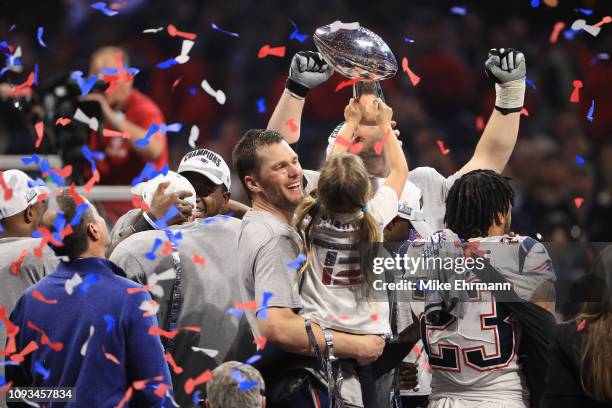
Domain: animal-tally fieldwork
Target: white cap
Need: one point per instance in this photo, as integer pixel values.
(24, 193)
(177, 183)
(411, 208)
(209, 164)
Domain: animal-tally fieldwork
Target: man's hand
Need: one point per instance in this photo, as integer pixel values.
(371, 347)
(352, 113)
(308, 69)
(383, 113)
(162, 202)
(408, 376)
(508, 69)
(109, 114)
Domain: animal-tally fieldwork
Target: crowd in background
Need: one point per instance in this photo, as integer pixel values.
(560, 155)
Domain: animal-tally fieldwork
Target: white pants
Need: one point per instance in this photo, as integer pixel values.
(473, 403)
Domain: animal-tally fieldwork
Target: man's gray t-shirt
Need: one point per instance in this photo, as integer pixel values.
(208, 291)
(123, 224)
(265, 248)
(31, 270)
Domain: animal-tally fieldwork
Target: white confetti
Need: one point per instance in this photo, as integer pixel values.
(209, 352)
(218, 95)
(152, 30)
(581, 24)
(338, 25)
(193, 136)
(84, 347)
(73, 283)
(82, 117)
(185, 49)
(150, 307)
(152, 280)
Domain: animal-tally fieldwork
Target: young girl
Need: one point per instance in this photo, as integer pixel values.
(340, 229)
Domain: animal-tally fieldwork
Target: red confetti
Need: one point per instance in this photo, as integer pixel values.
(161, 390)
(16, 266)
(66, 231)
(353, 147)
(416, 350)
(45, 239)
(156, 331)
(75, 196)
(39, 296)
(39, 134)
(44, 340)
(344, 84)
(414, 78)
(443, 149)
(249, 305)
(65, 172)
(199, 260)
(141, 384)
(274, 51)
(170, 360)
(115, 133)
(603, 21)
(11, 332)
(8, 192)
(24, 88)
(374, 316)
(126, 397)
(145, 288)
(378, 146)
(6, 387)
(172, 30)
(557, 28)
(63, 121)
(167, 248)
(261, 342)
(524, 112)
(112, 358)
(42, 197)
(191, 383)
(578, 201)
(293, 127)
(581, 326)
(176, 82)
(480, 125)
(19, 357)
(575, 97)
(93, 180)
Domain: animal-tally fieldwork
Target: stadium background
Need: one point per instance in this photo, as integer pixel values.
(560, 155)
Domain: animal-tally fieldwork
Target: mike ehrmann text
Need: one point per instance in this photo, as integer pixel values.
(432, 285)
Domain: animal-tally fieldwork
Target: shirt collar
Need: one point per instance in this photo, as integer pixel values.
(82, 266)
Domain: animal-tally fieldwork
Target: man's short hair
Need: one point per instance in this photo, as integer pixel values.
(77, 242)
(224, 389)
(244, 156)
(112, 49)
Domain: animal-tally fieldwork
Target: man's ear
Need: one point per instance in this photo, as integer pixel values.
(29, 214)
(226, 197)
(93, 232)
(252, 184)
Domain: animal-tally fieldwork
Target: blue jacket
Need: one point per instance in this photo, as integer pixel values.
(120, 333)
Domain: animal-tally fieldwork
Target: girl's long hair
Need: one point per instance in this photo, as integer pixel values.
(596, 346)
(343, 187)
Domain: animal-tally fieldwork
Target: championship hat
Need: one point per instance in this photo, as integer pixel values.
(209, 164)
(20, 191)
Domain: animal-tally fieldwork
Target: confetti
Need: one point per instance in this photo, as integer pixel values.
(339, 25)
(480, 125)
(174, 32)
(569, 34)
(149, 172)
(167, 63)
(156, 331)
(295, 35)
(591, 111)
(575, 97)
(63, 121)
(27, 160)
(353, 147)
(145, 140)
(581, 24)
(579, 160)
(261, 342)
(253, 359)
(39, 35)
(408, 40)
(249, 305)
(292, 125)
(535, 3)
(602, 56)
(374, 316)
(443, 149)
(218, 95)
(8, 192)
(35, 74)
(247, 385)
(44, 340)
(462, 11)
(378, 146)
(345, 84)
(110, 323)
(530, 83)
(557, 28)
(578, 201)
(176, 82)
(39, 296)
(84, 346)
(19, 357)
(101, 6)
(72, 283)
(83, 118)
(605, 20)
(199, 260)
(89, 280)
(261, 105)
(151, 254)
(414, 78)
(153, 30)
(191, 383)
(235, 312)
(170, 360)
(86, 85)
(25, 86)
(78, 200)
(581, 326)
(266, 50)
(584, 11)
(163, 221)
(149, 307)
(185, 49)
(115, 133)
(216, 27)
(263, 312)
(209, 352)
(93, 180)
(16, 266)
(297, 262)
(524, 112)
(112, 358)
(166, 249)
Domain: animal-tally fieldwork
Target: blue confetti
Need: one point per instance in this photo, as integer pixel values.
(535, 3)
(586, 12)
(237, 375)
(27, 160)
(151, 254)
(224, 217)
(295, 35)
(85, 85)
(591, 111)
(408, 40)
(600, 57)
(261, 105)
(579, 160)
(46, 168)
(147, 137)
(36, 74)
(42, 370)
(167, 63)
(192, 90)
(163, 221)
(80, 210)
(173, 238)
(297, 263)
(196, 399)
(41, 31)
(216, 27)
(530, 83)
(247, 385)
(91, 157)
(262, 314)
(110, 322)
(149, 172)
(2, 381)
(569, 34)
(1, 229)
(12, 27)
(253, 359)
(101, 6)
(114, 71)
(235, 312)
(458, 10)
(89, 280)
(58, 224)
(173, 127)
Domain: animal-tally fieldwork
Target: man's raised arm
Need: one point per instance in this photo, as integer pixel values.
(508, 69)
(308, 69)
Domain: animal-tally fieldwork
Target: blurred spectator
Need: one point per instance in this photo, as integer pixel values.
(235, 384)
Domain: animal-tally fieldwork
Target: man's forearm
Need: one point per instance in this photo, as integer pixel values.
(286, 116)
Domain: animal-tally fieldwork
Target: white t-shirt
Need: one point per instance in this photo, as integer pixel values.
(332, 291)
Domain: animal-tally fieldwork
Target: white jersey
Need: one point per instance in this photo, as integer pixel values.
(332, 289)
(475, 357)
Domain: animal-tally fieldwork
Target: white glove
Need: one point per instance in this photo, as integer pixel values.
(308, 69)
(508, 69)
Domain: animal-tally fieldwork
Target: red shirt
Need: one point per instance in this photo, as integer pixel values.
(122, 163)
